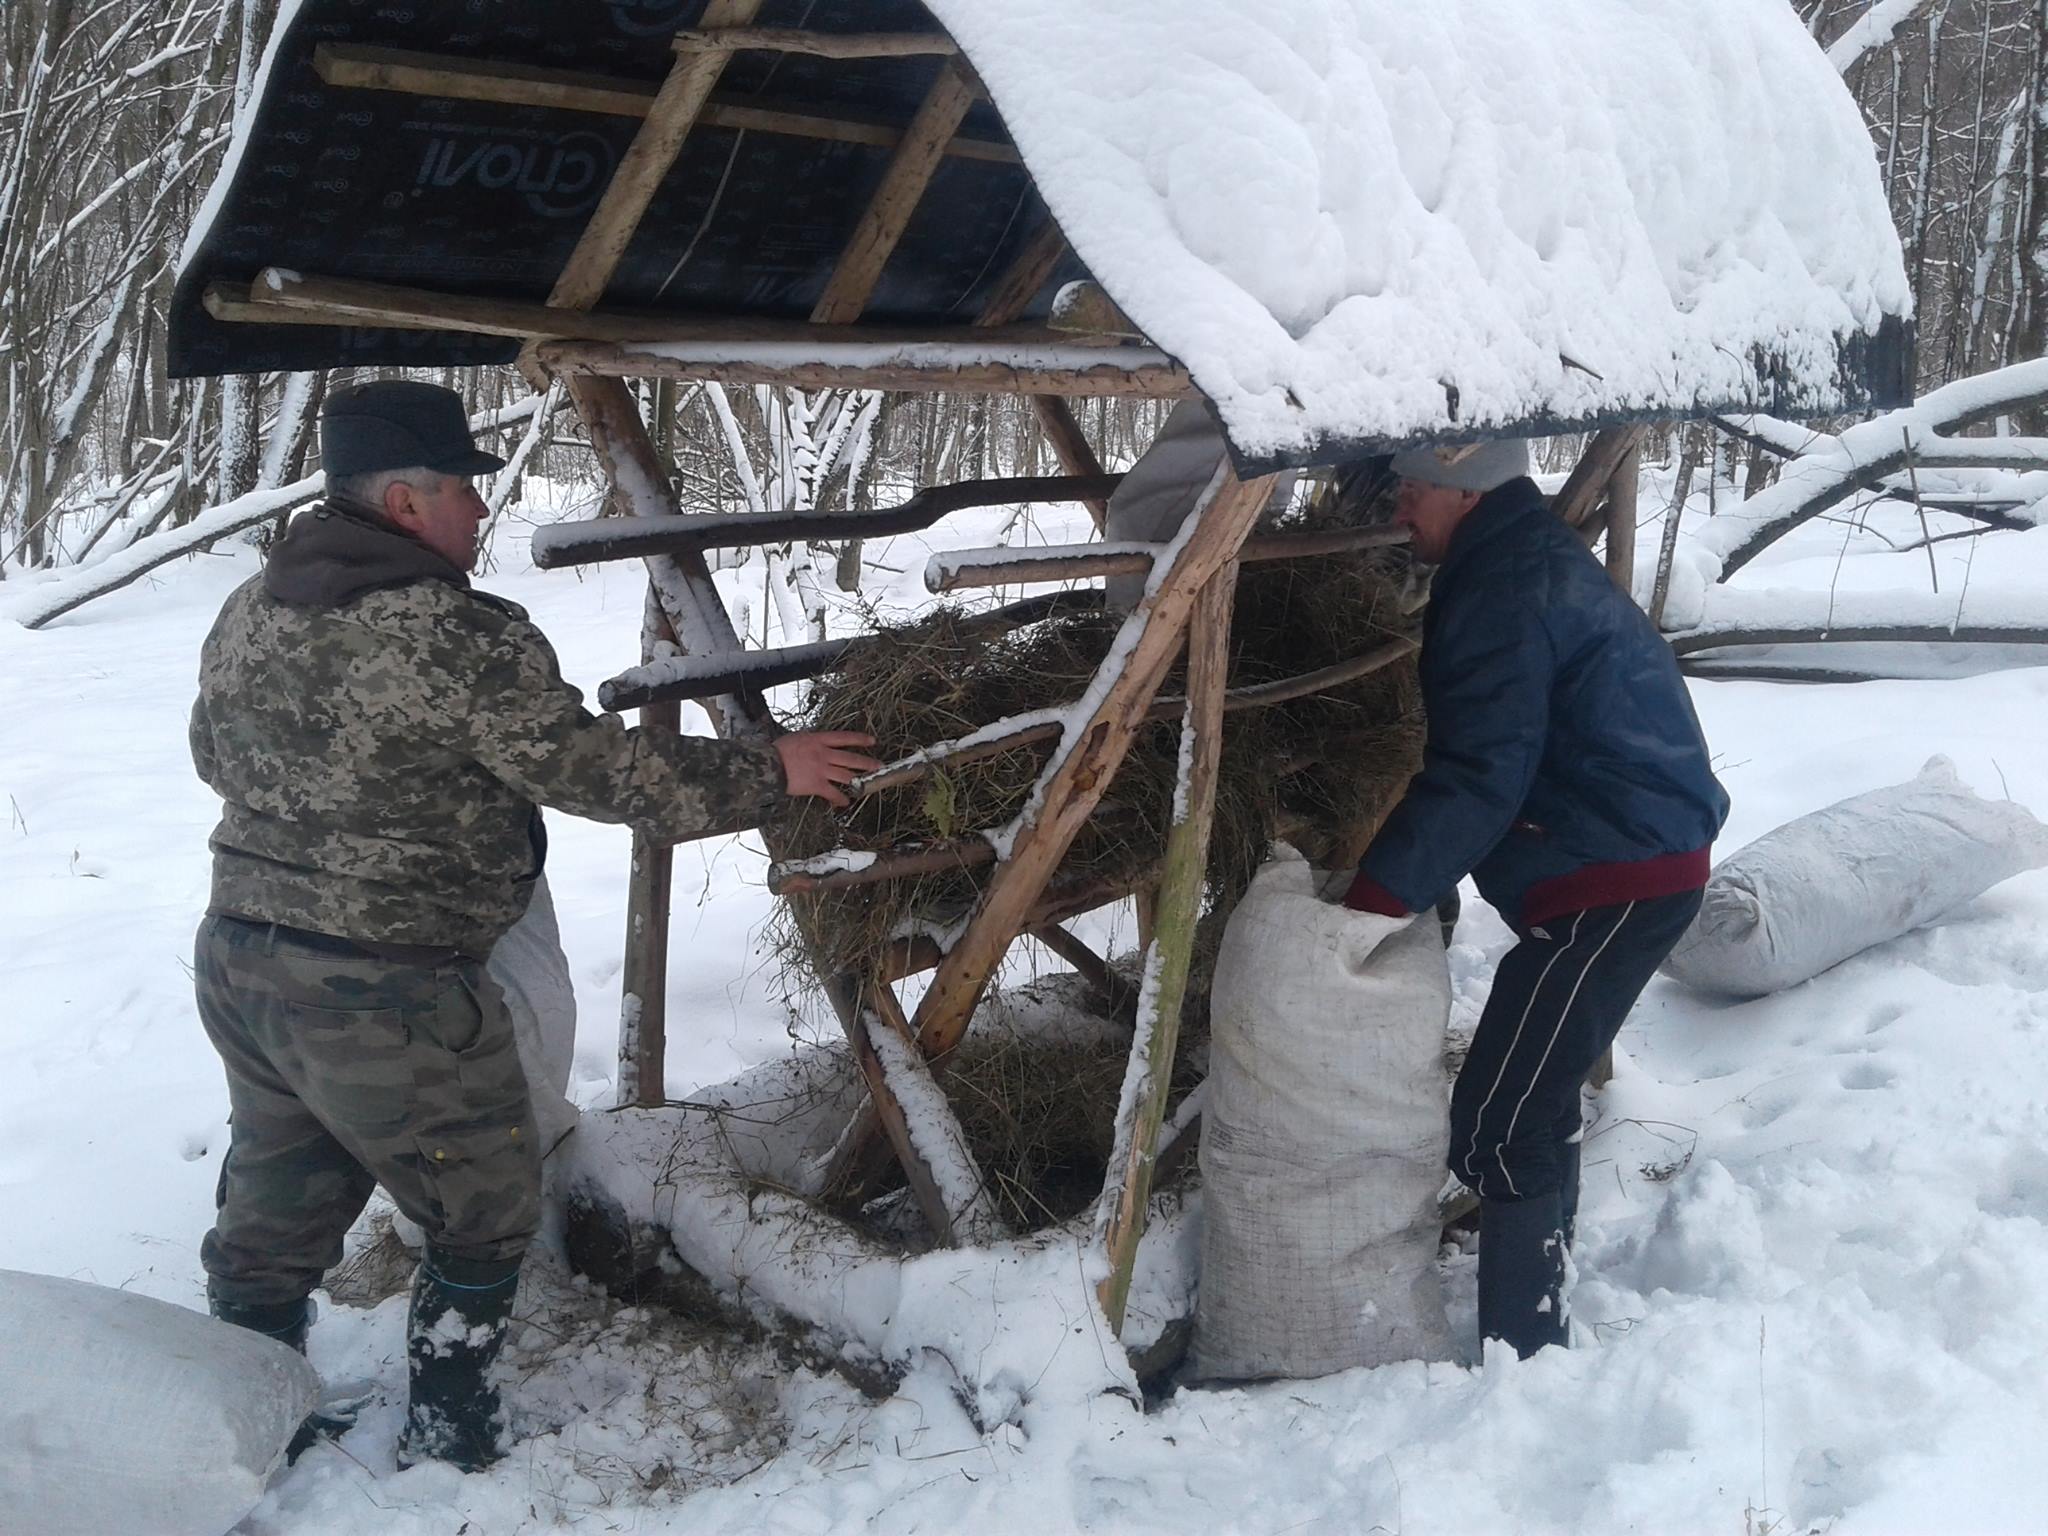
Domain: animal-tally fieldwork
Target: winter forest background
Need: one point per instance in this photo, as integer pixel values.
(115, 117)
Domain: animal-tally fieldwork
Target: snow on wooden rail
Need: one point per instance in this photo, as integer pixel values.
(704, 677)
(591, 540)
(1001, 565)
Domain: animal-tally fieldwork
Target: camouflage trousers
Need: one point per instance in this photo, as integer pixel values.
(348, 1069)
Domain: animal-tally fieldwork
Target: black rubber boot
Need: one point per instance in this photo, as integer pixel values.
(1568, 1191)
(454, 1331)
(285, 1321)
(1521, 1272)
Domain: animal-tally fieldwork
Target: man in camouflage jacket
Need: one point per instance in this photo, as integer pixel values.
(382, 735)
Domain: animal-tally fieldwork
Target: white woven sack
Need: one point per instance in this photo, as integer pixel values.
(1862, 871)
(1323, 1139)
(530, 969)
(123, 1415)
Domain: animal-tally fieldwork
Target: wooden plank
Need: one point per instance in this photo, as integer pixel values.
(803, 877)
(1062, 429)
(955, 368)
(645, 163)
(595, 540)
(820, 45)
(1027, 274)
(888, 212)
(1121, 1215)
(1075, 562)
(451, 78)
(1088, 757)
(280, 297)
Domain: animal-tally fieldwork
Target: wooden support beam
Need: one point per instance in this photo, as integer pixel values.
(599, 539)
(1090, 754)
(1032, 269)
(946, 367)
(1117, 994)
(999, 567)
(1623, 493)
(1070, 445)
(819, 45)
(646, 163)
(888, 212)
(450, 78)
(650, 885)
(1581, 494)
(281, 297)
(1121, 1215)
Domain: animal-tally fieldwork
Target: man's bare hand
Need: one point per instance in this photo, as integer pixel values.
(819, 762)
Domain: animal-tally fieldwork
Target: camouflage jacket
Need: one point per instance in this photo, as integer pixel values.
(381, 733)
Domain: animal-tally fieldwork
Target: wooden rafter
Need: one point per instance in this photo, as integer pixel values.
(451, 78)
(888, 212)
(1129, 1185)
(951, 367)
(1088, 756)
(645, 163)
(1027, 274)
(821, 45)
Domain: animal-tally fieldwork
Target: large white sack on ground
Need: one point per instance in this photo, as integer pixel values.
(1862, 871)
(532, 971)
(1323, 1139)
(124, 1415)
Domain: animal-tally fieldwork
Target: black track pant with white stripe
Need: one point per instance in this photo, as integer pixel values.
(1557, 1003)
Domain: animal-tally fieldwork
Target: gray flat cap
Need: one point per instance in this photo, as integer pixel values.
(1466, 466)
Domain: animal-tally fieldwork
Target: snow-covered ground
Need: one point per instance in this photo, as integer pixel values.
(1815, 1234)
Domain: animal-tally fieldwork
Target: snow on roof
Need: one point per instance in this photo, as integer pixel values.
(1337, 213)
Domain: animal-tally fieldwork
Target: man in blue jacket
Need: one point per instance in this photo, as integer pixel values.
(1565, 771)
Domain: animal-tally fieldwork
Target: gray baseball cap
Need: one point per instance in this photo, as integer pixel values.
(399, 424)
(1466, 466)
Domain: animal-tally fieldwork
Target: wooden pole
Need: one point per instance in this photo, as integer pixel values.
(451, 78)
(820, 45)
(643, 1008)
(1595, 469)
(1623, 492)
(645, 163)
(1000, 567)
(1070, 445)
(888, 213)
(1090, 754)
(1121, 1215)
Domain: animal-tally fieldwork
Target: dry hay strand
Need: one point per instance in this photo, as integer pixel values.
(1318, 771)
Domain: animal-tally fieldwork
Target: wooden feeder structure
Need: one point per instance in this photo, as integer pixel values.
(829, 194)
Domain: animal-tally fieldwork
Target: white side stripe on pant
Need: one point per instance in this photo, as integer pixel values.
(1534, 992)
(1562, 1014)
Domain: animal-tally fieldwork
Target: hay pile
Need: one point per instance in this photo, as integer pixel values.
(1318, 772)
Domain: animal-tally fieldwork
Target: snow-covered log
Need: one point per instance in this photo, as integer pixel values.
(1737, 616)
(1837, 468)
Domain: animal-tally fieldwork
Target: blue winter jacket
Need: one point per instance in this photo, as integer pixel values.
(1565, 768)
